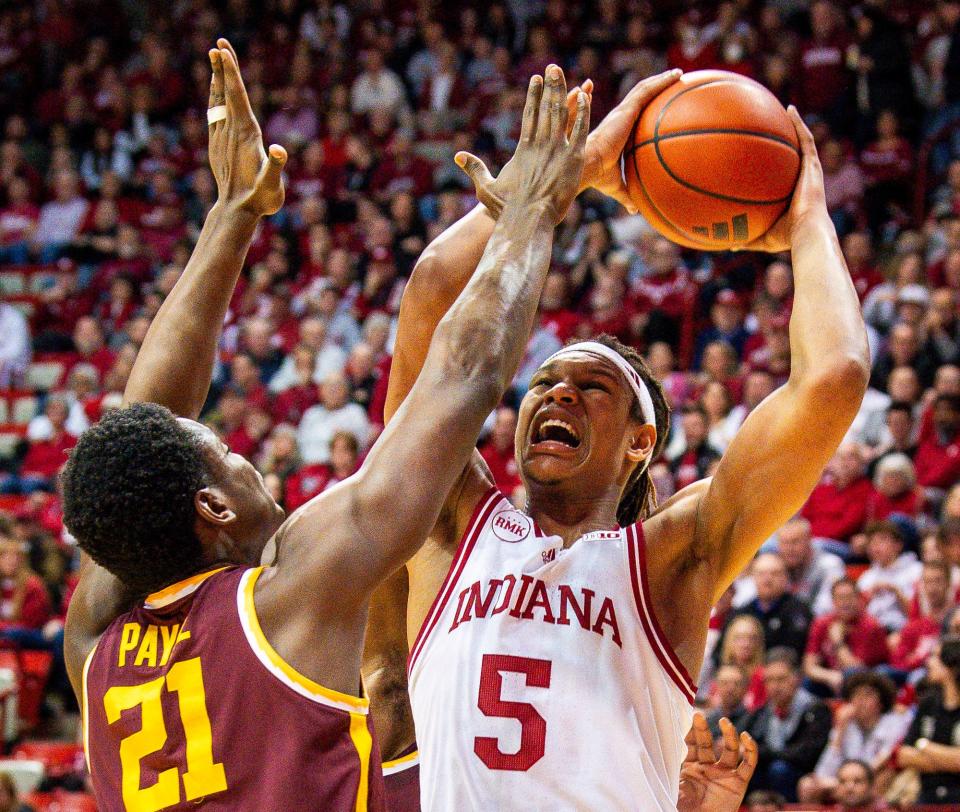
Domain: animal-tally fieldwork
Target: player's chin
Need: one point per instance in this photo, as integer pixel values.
(551, 465)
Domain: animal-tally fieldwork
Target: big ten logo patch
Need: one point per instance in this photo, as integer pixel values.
(721, 230)
(511, 525)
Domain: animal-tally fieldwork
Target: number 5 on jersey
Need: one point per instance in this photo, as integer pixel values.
(202, 777)
(533, 727)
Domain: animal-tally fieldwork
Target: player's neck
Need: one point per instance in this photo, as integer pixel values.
(558, 513)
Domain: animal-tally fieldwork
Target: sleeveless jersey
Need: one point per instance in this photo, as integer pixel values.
(401, 782)
(186, 704)
(541, 680)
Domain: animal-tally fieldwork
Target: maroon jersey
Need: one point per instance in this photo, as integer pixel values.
(401, 780)
(187, 704)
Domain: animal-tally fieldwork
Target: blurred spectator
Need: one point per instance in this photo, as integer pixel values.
(812, 571)
(867, 727)
(791, 729)
(10, 796)
(854, 791)
(930, 746)
(45, 457)
(731, 689)
(889, 582)
(697, 455)
(335, 412)
(376, 87)
(895, 489)
(498, 450)
(743, 648)
(18, 222)
(922, 631)
(837, 508)
(938, 452)
(785, 618)
(60, 218)
(14, 345)
(764, 800)
(843, 641)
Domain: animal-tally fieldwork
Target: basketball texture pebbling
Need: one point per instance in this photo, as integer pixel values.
(712, 161)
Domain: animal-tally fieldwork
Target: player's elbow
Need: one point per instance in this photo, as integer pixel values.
(840, 380)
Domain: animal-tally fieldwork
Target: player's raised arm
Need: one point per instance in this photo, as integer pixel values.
(779, 454)
(378, 518)
(175, 364)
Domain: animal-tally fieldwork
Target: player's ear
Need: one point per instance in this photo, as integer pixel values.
(212, 507)
(642, 440)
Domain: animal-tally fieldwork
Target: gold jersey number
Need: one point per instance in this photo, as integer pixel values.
(203, 777)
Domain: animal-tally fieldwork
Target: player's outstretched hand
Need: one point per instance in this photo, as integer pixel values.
(708, 784)
(548, 163)
(809, 199)
(601, 169)
(247, 176)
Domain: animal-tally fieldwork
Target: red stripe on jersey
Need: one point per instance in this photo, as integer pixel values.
(641, 592)
(468, 541)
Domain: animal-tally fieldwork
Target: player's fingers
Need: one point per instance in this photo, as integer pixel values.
(237, 102)
(528, 127)
(581, 127)
(276, 160)
(217, 97)
(730, 755)
(554, 90)
(649, 88)
(807, 145)
(558, 109)
(704, 739)
(750, 756)
(475, 168)
(572, 96)
(691, 741)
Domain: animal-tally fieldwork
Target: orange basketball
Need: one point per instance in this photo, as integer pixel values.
(712, 161)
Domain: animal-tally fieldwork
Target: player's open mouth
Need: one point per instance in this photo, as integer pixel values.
(556, 432)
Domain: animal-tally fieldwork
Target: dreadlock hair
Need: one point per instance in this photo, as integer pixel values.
(639, 498)
(128, 496)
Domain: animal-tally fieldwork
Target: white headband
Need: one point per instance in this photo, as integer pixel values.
(633, 377)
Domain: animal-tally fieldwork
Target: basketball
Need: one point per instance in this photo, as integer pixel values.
(712, 161)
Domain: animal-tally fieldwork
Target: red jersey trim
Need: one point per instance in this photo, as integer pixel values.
(481, 514)
(675, 669)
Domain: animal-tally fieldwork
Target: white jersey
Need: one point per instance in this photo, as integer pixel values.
(541, 680)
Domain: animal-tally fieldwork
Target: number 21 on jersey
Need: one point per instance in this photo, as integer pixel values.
(202, 777)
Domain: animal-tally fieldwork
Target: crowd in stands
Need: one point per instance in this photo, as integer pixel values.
(838, 649)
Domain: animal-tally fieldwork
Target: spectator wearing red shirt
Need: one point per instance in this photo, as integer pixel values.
(922, 631)
(24, 602)
(938, 452)
(858, 252)
(18, 221)
(887, 163)
(837, 508)
(895, 489)
(555, 317)
(823, 76)
(844, 640)
(498, 451)
(44, 458)
(698, 455)
(312, 480)
(402, 170)
(663, 300)
(90, 347)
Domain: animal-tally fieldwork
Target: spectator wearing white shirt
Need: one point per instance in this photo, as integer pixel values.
(330, 358)
(377, 88)
(868, 727)
(14, 346)
(891, 579)
(60, 218)
(336, 412)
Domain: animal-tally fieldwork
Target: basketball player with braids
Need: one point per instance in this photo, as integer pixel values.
(180, 685)
(551, 648)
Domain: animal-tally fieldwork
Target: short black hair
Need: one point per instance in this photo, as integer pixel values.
(128, 496)
(883, 686)
(867, 769)
(900, 406)
(786, 656)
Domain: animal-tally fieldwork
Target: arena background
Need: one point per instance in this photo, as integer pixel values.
(104, 185)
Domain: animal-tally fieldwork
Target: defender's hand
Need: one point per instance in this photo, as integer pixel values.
(247, 177)
(601, 170)
(707, 783)
(547, 164)
(809, 200)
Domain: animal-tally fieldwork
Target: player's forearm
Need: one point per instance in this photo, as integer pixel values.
(175, 364)
(485, 332)
(439, 276)
(828, 341)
